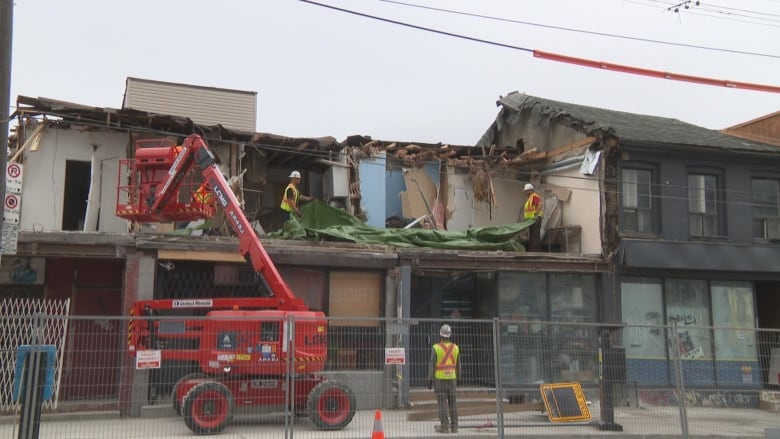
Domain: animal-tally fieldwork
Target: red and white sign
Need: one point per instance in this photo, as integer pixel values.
(11, 208)
(395, 356)
(148, 359)
(13, 178)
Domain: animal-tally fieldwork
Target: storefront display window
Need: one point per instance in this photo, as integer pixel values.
(735, 344)
(522, 307)
(687, 305)
(642, 308)
(575, 348)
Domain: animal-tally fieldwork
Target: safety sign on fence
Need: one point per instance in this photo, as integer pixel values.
(150, 359)
(395, 356)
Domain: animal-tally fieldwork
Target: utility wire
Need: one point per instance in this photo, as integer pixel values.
(414, 26)
(584, 62)
(723, 15)
(603, 34)
(744, 10)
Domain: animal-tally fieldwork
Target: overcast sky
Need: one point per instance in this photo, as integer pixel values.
(320, 72)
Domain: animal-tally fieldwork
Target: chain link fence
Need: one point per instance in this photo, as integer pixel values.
(314, 377)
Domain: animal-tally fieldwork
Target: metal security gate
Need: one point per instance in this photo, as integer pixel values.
(19, 320)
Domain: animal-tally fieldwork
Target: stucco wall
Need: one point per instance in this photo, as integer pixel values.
(582, 207)
(43, 185)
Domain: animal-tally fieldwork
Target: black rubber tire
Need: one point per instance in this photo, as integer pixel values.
(208, 408)
(174, 400)
(331, 405)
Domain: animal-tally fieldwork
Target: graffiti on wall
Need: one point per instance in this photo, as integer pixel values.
(698, 398)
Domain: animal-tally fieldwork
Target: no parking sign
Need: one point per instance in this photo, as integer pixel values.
(13, 178)
(11, 208)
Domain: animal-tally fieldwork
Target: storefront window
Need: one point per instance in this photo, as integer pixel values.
(522, 307)
(522, 296)
(735, 344)
(575, 347)
(642, 310)
(688, 306)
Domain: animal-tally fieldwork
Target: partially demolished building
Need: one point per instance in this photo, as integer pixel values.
(576, 156)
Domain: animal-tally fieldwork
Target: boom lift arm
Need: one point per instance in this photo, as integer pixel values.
(195, 151)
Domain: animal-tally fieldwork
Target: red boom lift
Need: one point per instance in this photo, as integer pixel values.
(246, 351)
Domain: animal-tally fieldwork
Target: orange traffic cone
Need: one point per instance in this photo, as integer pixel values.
(378, 432)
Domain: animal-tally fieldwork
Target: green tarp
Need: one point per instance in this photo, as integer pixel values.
(325, 223)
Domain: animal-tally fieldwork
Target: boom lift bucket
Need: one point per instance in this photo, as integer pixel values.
(140, 178)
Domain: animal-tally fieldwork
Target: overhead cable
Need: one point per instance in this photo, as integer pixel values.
(602, 34)
(577, 61)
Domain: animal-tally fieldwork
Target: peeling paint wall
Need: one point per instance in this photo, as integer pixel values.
(465, 211)
(43, 187)
(582, 207)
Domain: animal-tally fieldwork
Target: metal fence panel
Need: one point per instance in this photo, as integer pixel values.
(381, 366)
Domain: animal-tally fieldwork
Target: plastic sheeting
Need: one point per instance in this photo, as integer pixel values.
(324, 223)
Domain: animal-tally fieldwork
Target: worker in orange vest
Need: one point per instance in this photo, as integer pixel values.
(532, 210)
(203, 194)
(443, 373)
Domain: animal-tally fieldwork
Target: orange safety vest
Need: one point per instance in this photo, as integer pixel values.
(446, 360)
(286, 206)
(202, 195)
(529, 209)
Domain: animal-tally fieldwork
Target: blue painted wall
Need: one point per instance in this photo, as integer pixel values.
(377, 177)
(372, 188)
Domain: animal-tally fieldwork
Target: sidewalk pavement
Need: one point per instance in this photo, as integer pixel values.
(647, 423)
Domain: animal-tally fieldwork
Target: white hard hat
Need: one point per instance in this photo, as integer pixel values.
(445, 331)
(528, 187)
(295, 174)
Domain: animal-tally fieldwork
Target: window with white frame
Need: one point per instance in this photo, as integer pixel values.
(704, 217)
(766, 207)
(637, 201)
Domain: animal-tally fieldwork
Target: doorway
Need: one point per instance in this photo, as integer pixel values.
(78, 175)
(768, 300)
(465, 301)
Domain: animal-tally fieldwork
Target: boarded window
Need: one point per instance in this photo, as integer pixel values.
(354, 294)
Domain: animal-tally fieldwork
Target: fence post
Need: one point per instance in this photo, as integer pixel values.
(497, 373)
(607, 375)
(289, 395)
(680, 386)
(31, 382)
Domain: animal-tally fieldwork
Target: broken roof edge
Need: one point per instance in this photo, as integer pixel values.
(622, 125)
(128, 119)
(556, 111)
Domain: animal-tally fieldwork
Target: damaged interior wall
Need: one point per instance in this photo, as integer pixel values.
(466, 209)
(58, 175)
(579, 200)
(422, 196)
